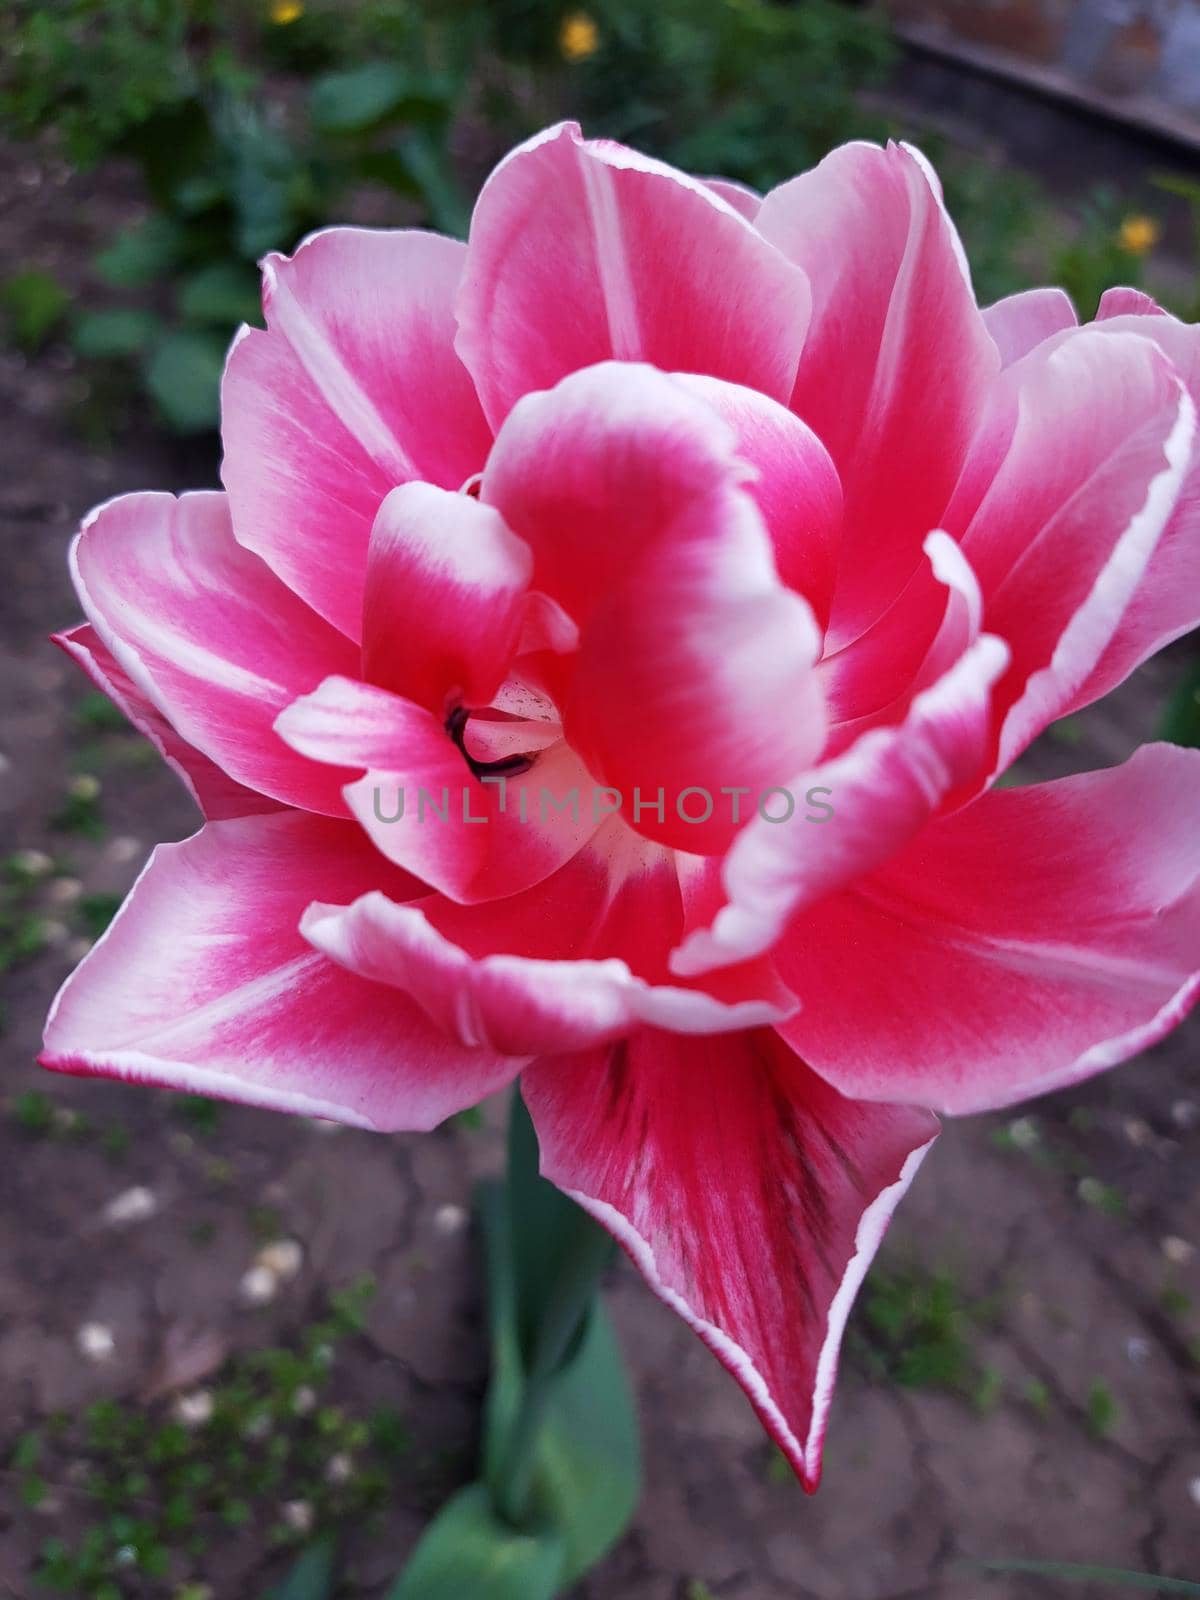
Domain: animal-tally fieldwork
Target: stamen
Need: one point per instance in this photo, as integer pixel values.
(506, 767)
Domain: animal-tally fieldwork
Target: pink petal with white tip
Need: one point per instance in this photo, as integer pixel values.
(581, 250)
(203, 982)
(1034, 938)
(1166, 602)
(570, 963)
(217, 794)
(445, 598)
(472, 838)
(749, 1193)
(209, 635)
(897, 361)
(794, 485)
(851, 814)
(1021, 322)
(353, 388)
(1071, 482)
(694, 666)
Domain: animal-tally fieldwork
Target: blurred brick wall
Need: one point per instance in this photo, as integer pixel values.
(1143, 48)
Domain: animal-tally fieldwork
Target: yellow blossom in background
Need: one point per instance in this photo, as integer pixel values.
(285, 11)
(1138, 235)
(578, 37)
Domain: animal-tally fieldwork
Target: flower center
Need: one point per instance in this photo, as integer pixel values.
(508, 766)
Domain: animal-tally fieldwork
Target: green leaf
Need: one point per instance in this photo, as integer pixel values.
(222, 294)
(588, 1476)
(36, 303)
(265, 185)
(196, 195)
(467, 1550)
(587, 1472)
(1181, 719)
(428, 162)
(142, 254)
(312, 1577)
(545, 1232)
(1071, 1573)
(122, 331)
(183, 374)
(365, 97)
(359, 98)
(173, 147)
(265, 178)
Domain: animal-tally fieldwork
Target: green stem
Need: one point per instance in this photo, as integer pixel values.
(566, 1317)
(559, 1255)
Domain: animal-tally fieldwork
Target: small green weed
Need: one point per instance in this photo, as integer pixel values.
(163, 1486)
(914, 1326)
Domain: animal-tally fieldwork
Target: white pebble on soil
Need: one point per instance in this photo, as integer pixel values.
(63, 891)
(450, 1219)
(132, 1205)
(1024, 1133)
(95, 1341)
(298, 1515)
(258, 1286)
(1137, 1349)
(283, 1258)
(194, 1409)
(33, 863)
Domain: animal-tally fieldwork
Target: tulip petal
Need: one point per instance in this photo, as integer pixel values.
(1034, 938)
(1020, 322)
(897, 359)
(795, 485)
(470, 838)
(445, 598)
(740, 196)
(353, 389)
(749, 1193)
(216, 793)
(209, 636)
(1166, 603)
(694, 667)
(850, 814)
(928, 626)
(204, 983)
(581, 250)
(1128, 303)
(1072, 479)
(573, 962)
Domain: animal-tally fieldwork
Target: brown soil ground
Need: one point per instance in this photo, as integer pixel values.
(1051, 1410)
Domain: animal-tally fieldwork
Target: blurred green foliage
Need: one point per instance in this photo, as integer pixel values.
(746, 89)
(1098, 257)
(1187, 190)
(252, 124)
(35, 304)
(244, 140)
(132, 1499)
(253, 121)
(1181, 716)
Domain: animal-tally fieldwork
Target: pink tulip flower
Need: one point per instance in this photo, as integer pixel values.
(693, 506)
